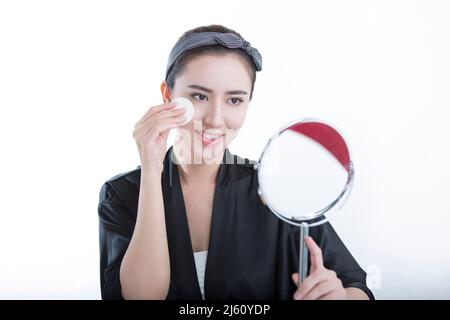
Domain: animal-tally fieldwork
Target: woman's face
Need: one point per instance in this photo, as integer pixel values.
(219, 88)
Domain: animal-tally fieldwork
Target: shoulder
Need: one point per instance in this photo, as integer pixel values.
(123, 187)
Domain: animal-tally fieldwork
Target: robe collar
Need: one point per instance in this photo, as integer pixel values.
(221, 177)
(184, 281)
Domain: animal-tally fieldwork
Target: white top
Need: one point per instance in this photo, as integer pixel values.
(200, 264)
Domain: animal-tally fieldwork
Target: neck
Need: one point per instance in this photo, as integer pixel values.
(195, 173)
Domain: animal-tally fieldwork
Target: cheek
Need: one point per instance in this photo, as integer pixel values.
(234, 119)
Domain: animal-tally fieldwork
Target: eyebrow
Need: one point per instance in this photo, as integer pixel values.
(199, 87)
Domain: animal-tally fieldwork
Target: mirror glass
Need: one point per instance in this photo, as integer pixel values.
(304, 171)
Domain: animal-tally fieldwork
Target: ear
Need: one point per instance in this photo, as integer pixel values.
(167, 97)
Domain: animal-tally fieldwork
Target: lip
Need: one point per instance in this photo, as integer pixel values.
(208, 130)
(209, 142)
(219, 135)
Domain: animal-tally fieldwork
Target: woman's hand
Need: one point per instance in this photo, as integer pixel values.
(321, 283)
(151, 132)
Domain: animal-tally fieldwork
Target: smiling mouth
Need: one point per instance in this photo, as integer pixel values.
(208, 137)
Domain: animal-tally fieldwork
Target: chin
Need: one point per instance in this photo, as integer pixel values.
(208, 155)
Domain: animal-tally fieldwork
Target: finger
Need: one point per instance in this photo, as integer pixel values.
(160, 130)
(154, 122)
(165, 115)
(297, 295)
(310, 282)
(295, 278)
(155, 109)
(336, 294)
(158, 109)
(319, 291)
(315, 254)
(330, 296)
(144, 128)
(162, 126)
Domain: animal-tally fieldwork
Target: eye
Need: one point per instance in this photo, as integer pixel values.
(236, 101)
(199, 95)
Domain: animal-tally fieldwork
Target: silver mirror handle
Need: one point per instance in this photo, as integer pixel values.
(303, 256)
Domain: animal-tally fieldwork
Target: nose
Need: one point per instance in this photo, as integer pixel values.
(214, 115)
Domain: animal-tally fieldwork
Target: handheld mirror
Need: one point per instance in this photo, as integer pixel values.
(305, 171)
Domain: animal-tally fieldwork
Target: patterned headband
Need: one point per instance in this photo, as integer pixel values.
(229, 40)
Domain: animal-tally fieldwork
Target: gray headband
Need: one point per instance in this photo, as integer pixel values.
(229, 40)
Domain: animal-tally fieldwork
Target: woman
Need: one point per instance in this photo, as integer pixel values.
(188, 223)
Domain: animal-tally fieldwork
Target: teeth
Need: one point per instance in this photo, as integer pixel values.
(210, 136)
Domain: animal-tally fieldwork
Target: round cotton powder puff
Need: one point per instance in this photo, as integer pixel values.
(183, 102)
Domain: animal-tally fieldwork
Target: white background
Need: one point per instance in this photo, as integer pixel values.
(75, 76)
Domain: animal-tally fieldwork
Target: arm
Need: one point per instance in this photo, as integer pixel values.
(140, 268)
(145, 269)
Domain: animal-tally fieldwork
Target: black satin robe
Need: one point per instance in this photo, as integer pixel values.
(251, 254)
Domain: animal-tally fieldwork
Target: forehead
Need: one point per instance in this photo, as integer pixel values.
(217, 72)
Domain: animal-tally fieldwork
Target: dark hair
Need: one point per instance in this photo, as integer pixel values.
(180, 64)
